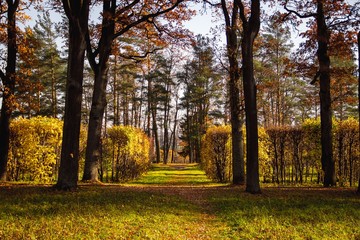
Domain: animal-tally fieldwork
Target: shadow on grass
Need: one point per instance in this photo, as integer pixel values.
(290, 213)
(97, 212)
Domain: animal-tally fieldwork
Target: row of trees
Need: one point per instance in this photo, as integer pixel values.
(129, 81)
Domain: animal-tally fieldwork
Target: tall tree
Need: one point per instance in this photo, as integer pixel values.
(8, 79)
(327, 15)
(50, 68)
(77, 12)
(202, 86)
(358, 43)
(250, 24)
(118, 18)
(274, 72)
(233, 43)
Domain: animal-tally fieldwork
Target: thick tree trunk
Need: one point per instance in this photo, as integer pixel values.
(250, 31)
(328, 163)
(238, 168)
(8, 80)
(93, 147)
(358, 38)
(236, 130)
(252, 146)
(77, 13)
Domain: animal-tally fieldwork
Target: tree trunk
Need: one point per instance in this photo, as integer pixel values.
(250, 31)
(77, 13)
(8, 80)
(238, 170)
(93, 147)
(236, 130)
(95, 126)
(328, 163)
(173, 135)
(155, 134)
(358, 38)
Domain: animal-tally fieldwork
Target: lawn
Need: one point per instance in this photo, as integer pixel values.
(177, 202)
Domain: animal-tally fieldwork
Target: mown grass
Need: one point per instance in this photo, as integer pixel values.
(175, 175)
(177, 202)
(289, 213)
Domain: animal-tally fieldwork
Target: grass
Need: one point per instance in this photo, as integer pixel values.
(177, 202)
(175, 175)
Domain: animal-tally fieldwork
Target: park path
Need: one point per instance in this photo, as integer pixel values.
(190, 183)
(184, 180)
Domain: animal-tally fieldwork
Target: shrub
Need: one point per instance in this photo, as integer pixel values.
(216, 153)
(129, 148)
(34, 148)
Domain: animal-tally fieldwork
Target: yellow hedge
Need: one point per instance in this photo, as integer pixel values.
(216, 153)
(34, 148)
(130, 149)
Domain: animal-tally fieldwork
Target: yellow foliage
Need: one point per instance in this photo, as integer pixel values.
(131, 149)
(216, 153)
(34, 148)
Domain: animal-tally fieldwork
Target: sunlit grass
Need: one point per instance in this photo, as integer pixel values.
(99, 212)
(177, 202)
(175, 174)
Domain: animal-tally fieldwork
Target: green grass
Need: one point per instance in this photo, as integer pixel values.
(175, 175)
(177, 202)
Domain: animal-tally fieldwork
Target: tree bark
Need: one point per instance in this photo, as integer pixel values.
(250, 30)
(78, 14)
(93, 147)
(238, 168)
(358, 38)
(328, 163)
(8, 80)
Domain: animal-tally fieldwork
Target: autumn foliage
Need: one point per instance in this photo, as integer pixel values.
(288, 154)
(128, 151)
(34, 148)
(216, 153)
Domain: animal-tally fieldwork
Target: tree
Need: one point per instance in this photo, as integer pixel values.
(251, 26)
(50, 66)
(232, 42)
(41, 70)
(77, 12)
(117, 19)
(275, 74)
(358, 37)
(8, 79)
(202, 84)
(162, 86)
(326, 17)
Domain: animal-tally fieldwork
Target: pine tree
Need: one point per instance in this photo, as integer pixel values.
(202, 86)
(51, 68)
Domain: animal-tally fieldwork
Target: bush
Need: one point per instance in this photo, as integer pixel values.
(216, 153)
(347, 151)
(129, 150)
(34, 148)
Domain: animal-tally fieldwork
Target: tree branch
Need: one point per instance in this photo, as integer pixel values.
(316, 77)
(308, 15)
(2, 76)
(137, 57)
(146, 18)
